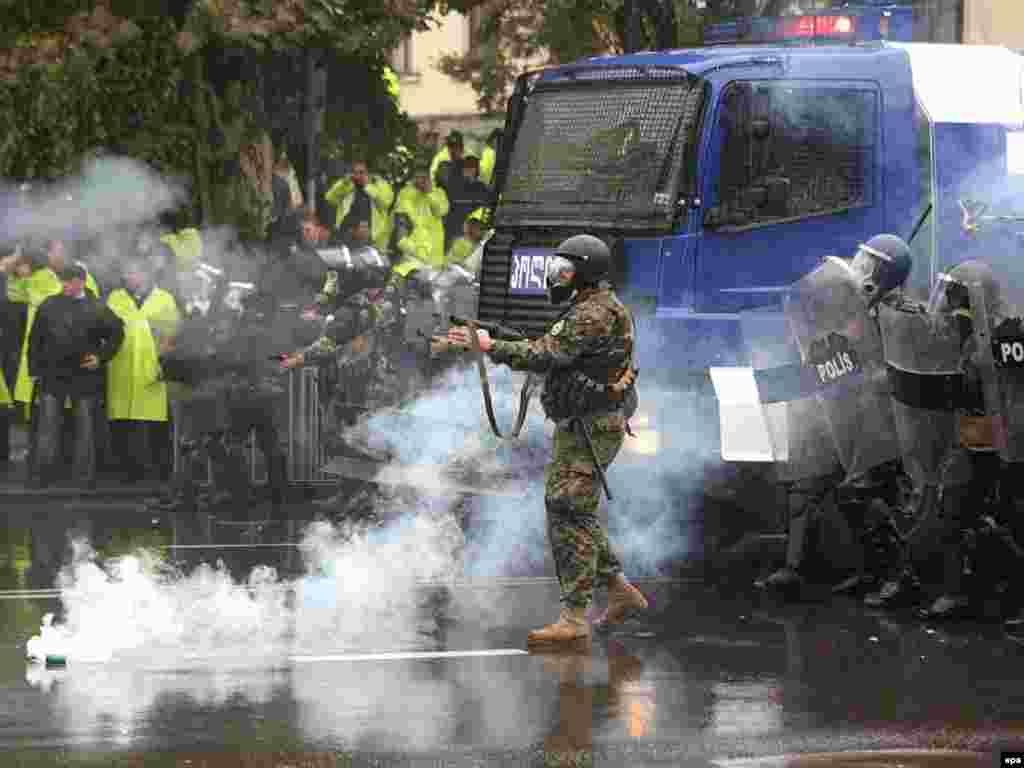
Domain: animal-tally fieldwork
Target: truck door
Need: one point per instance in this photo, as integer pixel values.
(793, 173)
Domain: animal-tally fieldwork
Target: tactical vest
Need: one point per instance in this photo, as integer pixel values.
(602, 380)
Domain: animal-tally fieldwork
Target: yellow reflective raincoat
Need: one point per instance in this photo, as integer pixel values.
(487, 165)
(43, 284)
(439, 157)
(461, 250)
(341, 195)
(427, 212)
(135, 390)
(17, 289)
(5, 394)
(187, 245)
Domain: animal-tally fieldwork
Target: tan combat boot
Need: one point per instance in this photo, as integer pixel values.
(571, 627)
(623, 599)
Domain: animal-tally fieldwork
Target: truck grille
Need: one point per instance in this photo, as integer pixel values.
(530, 314)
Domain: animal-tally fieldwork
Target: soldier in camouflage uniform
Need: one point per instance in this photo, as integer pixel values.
(588, 392)
(351, 339)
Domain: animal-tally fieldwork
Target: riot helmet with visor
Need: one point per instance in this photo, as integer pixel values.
(881, 265)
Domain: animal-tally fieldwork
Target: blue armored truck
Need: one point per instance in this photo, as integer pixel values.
(721, 175)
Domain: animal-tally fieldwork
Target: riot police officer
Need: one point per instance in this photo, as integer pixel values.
(937, 383)
(843, 394)
(589, 392)
(868, 499)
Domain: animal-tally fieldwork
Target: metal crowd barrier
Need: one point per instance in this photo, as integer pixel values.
(305, 448)
(299, 423)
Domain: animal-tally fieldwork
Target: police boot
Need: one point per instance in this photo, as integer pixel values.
(571, 627)
(1015, 626)
(786, 580)
(952, 604)
(900, 591)
(882, 551)
(623, 599)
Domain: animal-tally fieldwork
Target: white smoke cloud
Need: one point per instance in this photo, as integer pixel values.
(109, 195)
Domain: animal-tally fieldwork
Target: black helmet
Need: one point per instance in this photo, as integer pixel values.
(884, 264)
(589, 255)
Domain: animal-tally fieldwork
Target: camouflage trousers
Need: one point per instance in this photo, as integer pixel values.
(572, 495)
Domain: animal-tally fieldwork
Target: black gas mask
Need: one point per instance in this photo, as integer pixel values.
(559, 279)
(951, 297)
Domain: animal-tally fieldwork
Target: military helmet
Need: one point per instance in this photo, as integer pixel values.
(884, 263)
(589, 255)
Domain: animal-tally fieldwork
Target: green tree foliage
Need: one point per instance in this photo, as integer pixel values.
(548, 32)
(78, 75)
(125, 97)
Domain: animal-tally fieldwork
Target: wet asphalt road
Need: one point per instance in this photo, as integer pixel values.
(704, 678)
(707, 677)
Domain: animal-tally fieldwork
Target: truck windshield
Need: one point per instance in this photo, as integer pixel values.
(602, 149)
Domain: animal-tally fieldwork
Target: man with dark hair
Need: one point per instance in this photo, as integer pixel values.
(425, 207)
(72, 339)
(362, 197)
(466, 193)
(446, 163)
(48, 262)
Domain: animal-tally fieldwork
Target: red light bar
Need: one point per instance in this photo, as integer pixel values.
(834, 26)
(796, 26)
(816, 26)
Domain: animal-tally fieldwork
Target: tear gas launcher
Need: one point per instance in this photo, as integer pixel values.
(502, 333)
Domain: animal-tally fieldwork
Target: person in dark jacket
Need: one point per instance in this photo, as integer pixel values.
(466, 193)
(72, 340)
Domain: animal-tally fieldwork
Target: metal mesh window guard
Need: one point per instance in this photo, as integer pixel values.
(806, 150)
(605, 144)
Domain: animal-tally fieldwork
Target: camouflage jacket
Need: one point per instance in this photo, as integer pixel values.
(367, 311)
(585, 356)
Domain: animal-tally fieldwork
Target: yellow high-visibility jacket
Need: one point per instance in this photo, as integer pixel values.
(487, 165)
(461, 250)
(427, 212)
(43, 284)
(5, 394)
(17, 292)
(187, 245)
(341, 195)
(135, 390)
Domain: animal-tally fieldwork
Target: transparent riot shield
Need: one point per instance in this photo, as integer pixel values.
(841, 346)
(798, 434)
(998, 357)
(922, 353)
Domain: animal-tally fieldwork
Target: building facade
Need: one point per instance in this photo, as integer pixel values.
(436, 101)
